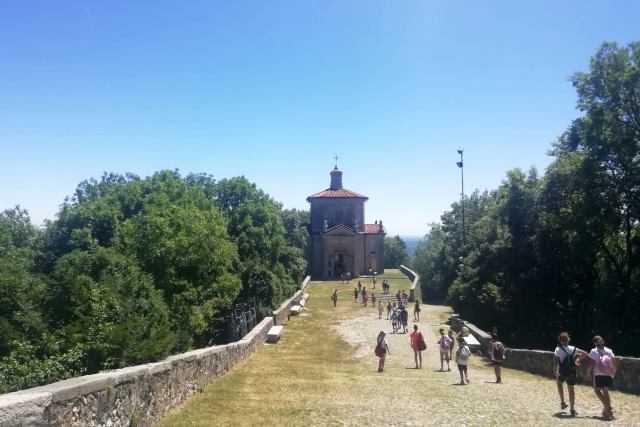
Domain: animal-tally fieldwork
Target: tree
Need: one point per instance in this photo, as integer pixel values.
(395, 252)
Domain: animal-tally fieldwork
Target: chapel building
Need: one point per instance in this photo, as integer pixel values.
(341, 242)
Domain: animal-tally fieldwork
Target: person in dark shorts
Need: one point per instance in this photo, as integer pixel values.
(564, 367)
(604, 369)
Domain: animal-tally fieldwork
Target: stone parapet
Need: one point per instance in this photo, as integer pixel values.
(540, 362)
(137, 395)
(414, 292)
(281, 315)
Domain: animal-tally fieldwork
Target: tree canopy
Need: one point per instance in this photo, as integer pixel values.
(562, 250)
(133, 269)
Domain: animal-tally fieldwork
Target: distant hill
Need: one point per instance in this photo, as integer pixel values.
(411, 242)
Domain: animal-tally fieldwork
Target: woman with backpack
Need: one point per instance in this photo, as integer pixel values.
(565, 369)
(418, 345)
(497, 356)
(381, 350)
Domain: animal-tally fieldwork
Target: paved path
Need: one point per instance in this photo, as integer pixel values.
(323, 372)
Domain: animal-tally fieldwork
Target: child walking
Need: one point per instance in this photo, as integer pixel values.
(604, 369)
(497, 356)
(565, 357)
(462, 359)
(382, 349)
(444, 342)
(418, 345)
(380, 309)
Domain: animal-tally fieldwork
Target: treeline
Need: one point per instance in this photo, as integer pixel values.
(134, 269)
(562, 251)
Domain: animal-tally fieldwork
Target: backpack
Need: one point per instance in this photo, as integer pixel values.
(422, 346)
(498, 351)
(464, 353)
(567, 366)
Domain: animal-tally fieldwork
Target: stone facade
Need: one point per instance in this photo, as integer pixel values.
(341, 241)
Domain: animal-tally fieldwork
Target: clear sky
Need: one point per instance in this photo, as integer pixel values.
(272, 90)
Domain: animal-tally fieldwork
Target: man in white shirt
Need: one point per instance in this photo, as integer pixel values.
(564, 367)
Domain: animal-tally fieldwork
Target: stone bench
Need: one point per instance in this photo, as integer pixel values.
(274, 334)
(302, 303)
(473, 343)
(295, 310)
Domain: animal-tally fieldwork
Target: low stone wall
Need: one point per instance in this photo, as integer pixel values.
(134, 396)
(415, 292)
(540, 362)
(282, 313)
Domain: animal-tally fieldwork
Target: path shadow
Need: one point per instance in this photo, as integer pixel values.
(566, 416)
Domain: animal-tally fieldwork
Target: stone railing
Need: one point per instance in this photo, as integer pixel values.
(282, 313)
(137, 395)
(540, 362)
(134, 396)
(414, 292)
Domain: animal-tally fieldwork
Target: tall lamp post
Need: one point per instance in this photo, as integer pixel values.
(461, 166)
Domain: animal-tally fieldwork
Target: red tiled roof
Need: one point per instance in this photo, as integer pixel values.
(343, 193)
(373, 228)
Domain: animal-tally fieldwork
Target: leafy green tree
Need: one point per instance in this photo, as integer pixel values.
(395, 252)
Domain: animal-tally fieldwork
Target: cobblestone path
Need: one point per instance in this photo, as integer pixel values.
(323, 372)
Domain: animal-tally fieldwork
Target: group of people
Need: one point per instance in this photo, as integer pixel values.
(600, 361)
(567, 359)
(418, 345)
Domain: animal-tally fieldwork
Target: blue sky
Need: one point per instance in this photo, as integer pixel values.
(272, 90)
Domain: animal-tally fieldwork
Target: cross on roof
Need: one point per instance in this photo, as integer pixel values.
(336, 159)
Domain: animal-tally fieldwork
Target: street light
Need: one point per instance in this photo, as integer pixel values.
(461, 166)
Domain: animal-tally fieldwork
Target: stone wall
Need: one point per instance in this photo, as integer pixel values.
(134, 396)
(415, 293)
(540, 362)
(281, 315)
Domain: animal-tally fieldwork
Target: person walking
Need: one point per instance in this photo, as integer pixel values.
(416, 311)
(564, 367)
(444, 342)
(381, 351)
(334, 297)
(462, 360)
(373, 299)
(603, 370)
(380, 309)
(453, 341)
(404, 319)
(388, 309)
(355, 294)
(497, 356)
(365, 296)
(418, 345)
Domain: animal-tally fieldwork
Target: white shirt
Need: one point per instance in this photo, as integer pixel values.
(561, 354)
